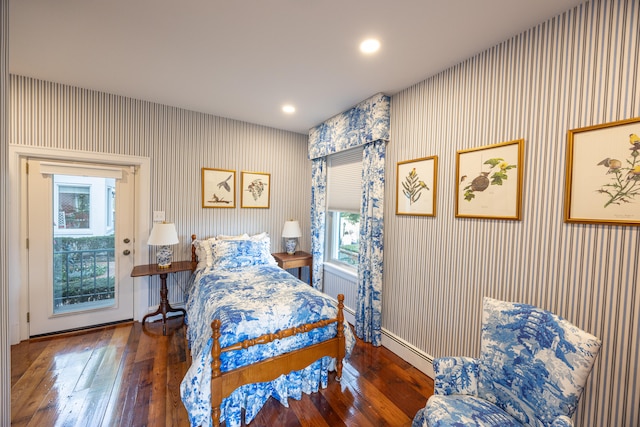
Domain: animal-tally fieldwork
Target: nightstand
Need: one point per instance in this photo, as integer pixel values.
(153, 270)
(297, 260)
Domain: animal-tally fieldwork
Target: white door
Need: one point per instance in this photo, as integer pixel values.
(80, 231)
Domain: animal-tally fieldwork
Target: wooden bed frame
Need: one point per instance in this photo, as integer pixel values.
(224, 383)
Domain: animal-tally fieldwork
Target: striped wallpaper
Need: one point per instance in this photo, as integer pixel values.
(5, 366)
(179, 143)
(579, 69)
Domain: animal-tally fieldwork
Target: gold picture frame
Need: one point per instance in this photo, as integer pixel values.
(489, 181)
(416, 186)
(218, 188)
(255, 190)
(602, 183)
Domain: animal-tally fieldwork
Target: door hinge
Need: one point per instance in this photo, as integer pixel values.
(27, 243)
(27, 172)
(28, 317)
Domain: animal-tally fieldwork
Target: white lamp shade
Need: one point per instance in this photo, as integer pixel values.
(163, 234)
(291, 229)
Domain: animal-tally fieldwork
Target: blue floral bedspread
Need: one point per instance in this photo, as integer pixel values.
(249, 302)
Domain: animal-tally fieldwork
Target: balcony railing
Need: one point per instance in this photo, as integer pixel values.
(82, 276)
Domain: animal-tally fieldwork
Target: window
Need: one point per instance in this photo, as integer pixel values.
(74, 204)
(344, 193)
(344, 229)
(111, 207)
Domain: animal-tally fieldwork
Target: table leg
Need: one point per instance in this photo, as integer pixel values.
(164, 306)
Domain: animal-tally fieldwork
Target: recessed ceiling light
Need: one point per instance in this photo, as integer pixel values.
(289, 109)
(369, 46)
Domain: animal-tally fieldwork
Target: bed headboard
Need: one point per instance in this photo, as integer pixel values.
(194, 258)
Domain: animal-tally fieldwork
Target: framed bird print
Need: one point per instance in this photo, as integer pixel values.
(489, 181)
(218, 188)
(603, 174)
(256, 190)
(416, 186)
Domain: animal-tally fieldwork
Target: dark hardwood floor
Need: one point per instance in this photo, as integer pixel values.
(127, 375)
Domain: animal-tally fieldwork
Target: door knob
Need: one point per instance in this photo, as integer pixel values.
(126, 240)
(126, 252)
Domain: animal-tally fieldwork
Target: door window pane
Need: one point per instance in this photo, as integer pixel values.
(111, 207)
(74, 207)
(83, 245)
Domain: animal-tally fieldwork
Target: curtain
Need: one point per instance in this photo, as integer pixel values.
(318, 214)
(366, 124)
(370, 256)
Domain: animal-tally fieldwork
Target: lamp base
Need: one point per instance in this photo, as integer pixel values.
(290, 245)
(163, 257)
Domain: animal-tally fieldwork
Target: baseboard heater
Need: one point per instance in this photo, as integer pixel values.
(410, 353)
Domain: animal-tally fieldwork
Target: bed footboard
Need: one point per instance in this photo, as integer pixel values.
(224, 383)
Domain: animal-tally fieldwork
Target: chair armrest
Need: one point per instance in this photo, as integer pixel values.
(455, 375)
(562, 421)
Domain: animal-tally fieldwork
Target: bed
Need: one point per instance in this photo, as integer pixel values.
(254, 331)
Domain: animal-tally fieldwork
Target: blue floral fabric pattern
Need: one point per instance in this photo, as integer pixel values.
(249, 302)
(532, 368)
(534, 363)
(318, 218)
(455, 375)
(370, 253)
(228, 254)
(365, 123)
(464, 410)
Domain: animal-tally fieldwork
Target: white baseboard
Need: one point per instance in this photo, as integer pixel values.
(349, 315)
(418, 358)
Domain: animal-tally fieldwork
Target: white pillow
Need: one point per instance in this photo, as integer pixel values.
(203, 252)
(260, 236)
(243, 236)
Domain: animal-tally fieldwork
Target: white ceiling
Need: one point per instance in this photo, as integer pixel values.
(244, 59)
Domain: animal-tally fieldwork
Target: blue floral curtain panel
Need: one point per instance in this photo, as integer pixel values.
(318, 220)
(370, 265)
(365, 124)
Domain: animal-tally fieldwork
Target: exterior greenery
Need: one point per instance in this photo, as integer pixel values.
(83, 269)
(348, 253)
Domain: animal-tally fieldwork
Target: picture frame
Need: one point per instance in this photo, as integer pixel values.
(489, 181)
(416, 186)
(602, 179)
(255, 190)
(218, 188)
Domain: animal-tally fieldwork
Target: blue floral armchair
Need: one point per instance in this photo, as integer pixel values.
(531, 372)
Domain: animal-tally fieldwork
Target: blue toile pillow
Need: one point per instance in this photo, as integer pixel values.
(228, 254)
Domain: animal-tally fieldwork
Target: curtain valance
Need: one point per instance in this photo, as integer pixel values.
(366, 122)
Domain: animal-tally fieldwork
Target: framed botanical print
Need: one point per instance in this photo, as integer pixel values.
(416, 186)
(489, 181)
(218, 188)
(255, 190)
(602, 183)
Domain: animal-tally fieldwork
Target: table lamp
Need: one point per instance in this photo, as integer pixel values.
(290, 234)
(163, 234)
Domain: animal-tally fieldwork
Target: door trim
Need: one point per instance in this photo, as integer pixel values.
(17, 305)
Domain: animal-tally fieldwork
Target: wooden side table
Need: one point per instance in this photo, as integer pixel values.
(152, 270)
(299, 259)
